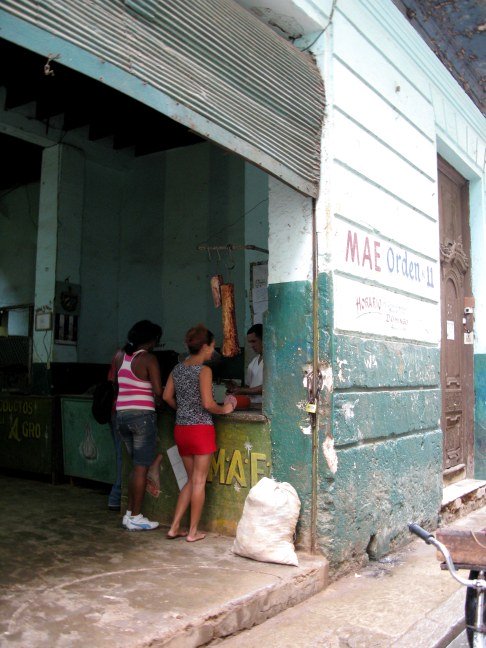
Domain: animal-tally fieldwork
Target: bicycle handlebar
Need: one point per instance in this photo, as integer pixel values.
(421, 533)
(478, 584)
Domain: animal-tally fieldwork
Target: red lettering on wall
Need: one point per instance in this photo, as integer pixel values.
(377, 256)
(352, 246)
(367, 253)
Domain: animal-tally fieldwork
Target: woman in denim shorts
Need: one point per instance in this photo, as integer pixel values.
(139, 383)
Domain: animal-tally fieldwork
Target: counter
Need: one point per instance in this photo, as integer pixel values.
(30, 434)
(242, 458)
(88, 448)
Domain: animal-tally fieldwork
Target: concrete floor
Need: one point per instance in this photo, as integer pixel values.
(72, 576)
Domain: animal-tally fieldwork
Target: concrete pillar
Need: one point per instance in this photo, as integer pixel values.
(58, 250)
(69, 233)
(288, 340)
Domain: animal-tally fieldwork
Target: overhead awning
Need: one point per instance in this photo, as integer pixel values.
(208, 64)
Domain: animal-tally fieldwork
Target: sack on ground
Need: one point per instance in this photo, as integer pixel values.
(266, 529)
(103, 399)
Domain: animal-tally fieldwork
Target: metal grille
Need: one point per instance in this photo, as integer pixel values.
(215, 67)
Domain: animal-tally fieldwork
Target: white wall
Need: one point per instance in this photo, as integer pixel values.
(391, 108)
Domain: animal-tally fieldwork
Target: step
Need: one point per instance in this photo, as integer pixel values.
(462, 497)
(251, 609)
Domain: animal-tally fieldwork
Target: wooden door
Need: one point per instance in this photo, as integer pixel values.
(456, 348)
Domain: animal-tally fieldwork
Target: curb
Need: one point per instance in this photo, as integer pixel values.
(439, 627)
(249, 610)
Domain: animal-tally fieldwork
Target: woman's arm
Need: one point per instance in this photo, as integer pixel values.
(169, 393)
(206, 388)
(116, 362)
(250, 391)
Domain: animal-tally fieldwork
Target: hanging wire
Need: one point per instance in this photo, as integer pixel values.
(334, 2)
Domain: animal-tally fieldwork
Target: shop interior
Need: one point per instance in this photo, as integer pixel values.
(159, 211)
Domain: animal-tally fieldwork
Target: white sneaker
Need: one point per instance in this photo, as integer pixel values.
(140, 523)
(125, 518)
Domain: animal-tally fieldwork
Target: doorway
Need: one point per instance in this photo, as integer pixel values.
(456, 325)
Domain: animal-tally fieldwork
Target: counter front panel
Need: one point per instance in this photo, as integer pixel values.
(242, 458)
(89, 450)
(29, 438)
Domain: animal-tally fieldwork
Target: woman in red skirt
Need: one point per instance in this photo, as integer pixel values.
(189, 391)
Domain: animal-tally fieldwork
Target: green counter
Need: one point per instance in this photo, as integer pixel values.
(242, 458)
(29, 434)
(88, 448)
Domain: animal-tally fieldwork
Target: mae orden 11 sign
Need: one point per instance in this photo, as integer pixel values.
(382, 288)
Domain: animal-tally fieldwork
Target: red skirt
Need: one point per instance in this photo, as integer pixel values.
(195, 439)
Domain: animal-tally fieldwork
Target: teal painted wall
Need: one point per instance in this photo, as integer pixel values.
(385, 413)
(135, 255)
(480, 416)
(140, 236)
(19, 210)
(288, 348)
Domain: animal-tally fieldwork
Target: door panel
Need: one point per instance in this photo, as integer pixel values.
(456, 356)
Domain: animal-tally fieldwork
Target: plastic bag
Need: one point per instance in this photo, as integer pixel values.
(266, 529)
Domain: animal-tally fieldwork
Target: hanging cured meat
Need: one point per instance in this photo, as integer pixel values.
(216, 282)
(231, 347)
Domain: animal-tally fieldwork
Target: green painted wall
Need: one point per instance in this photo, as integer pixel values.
(19, 210)
(288, 348)
(385, 414)
(480, 416)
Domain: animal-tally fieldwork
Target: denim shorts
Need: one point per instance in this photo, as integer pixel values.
(138, 429)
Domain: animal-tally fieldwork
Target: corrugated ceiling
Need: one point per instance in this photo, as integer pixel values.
(218, 70)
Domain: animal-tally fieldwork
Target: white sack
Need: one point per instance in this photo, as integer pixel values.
(266, 529)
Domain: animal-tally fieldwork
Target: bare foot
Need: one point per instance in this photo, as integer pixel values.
(196, 537)
(179, 534)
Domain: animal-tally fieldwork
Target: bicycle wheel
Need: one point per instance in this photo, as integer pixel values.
(470, 608)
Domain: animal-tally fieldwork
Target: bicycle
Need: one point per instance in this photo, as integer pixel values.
(475, 610)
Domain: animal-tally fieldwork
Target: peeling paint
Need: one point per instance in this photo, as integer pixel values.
(327, 381)
(340, 364)
(348, 409)
(306, 430)
(301, 405)
(371, 361)
(330, 454)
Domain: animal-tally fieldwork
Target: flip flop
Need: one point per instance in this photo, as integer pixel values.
(151, 487)
(177, 535)
(196, 539)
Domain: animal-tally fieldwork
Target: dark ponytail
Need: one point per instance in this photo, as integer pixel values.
(141, 333)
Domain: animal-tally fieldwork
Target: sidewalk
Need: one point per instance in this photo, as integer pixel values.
(71, 576)
(401, 601)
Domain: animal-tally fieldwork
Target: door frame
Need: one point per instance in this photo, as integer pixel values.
(467, 358)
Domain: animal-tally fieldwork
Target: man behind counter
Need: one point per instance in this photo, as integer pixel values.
(254, 374)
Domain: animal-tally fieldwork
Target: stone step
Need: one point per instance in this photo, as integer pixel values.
(462, 497)
(255, 607)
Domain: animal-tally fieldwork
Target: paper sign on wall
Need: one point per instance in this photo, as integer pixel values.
(450, 330)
